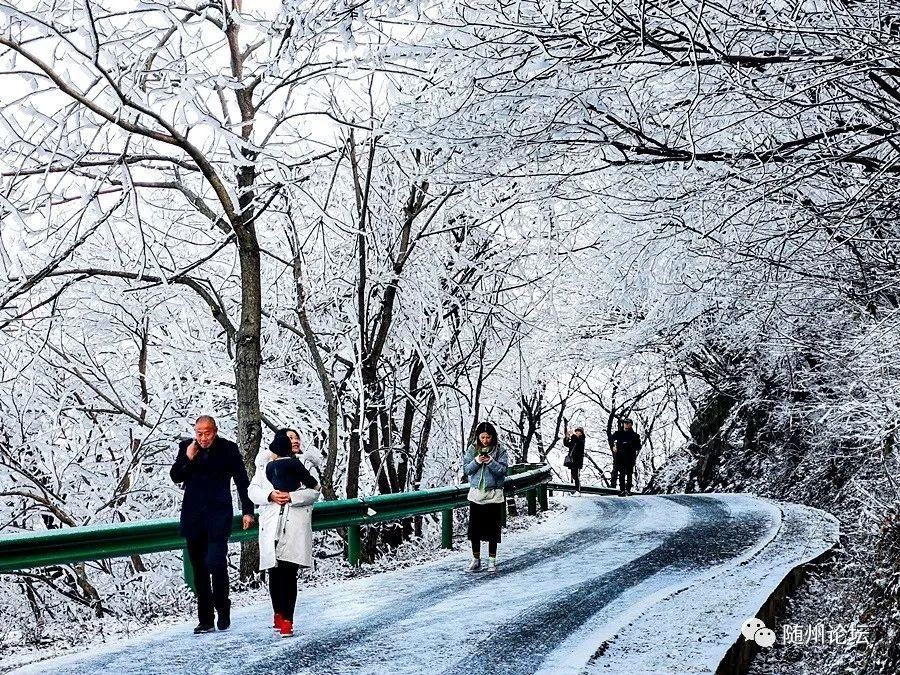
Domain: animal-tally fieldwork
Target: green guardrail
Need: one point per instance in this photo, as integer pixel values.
(586, 489)
(97, 542)
(515, 469)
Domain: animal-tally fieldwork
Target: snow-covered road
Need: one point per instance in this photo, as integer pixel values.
(655, 584)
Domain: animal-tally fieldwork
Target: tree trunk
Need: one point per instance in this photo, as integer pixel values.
(354, 459)
(422, 450)
(387, 442)
(331, 404)
(248, 359)
(371, 445)
(409, 411)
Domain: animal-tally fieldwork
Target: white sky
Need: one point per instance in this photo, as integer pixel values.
(266, 7)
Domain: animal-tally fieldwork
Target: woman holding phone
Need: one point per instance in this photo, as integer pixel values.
(485, 464)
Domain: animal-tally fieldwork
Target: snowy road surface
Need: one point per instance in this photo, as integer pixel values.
(657, 584)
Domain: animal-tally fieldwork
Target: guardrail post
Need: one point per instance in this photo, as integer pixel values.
(354, 545)
(188, 570)
(531, 496)
(542, 497)
(447, 528)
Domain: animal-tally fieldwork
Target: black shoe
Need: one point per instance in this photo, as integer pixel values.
(623, 493)
(204, 628)
(224, 620)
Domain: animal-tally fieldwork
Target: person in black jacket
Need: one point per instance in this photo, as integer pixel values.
(575, 459)
(206, 465)
(287, 473)
(625, 445)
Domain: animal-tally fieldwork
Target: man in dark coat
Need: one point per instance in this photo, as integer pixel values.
(575, 459)
(625, 445)
(206, 465)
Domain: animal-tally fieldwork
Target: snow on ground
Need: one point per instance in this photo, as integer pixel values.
(700, 616)
(656, 584)
(63, 636)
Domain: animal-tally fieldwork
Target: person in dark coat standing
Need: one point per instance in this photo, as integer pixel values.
(575, 458)
(206, 465)
(625, 445)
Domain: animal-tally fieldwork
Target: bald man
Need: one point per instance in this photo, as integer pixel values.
(206, 465)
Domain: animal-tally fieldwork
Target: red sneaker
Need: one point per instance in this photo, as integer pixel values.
(287, 628)
(276, 623)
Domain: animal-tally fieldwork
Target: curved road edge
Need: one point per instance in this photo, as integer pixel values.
(740, 655)
(711, 605)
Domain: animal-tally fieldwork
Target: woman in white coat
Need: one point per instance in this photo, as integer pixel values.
(285, 529)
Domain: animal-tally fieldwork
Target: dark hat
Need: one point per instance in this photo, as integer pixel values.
(281, 445)
(486, 428)
(627, 420)
(581, 429)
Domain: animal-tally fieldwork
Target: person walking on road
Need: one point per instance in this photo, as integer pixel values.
(485, 463)
(575, 457)
(205, 466)
(285, 490)
(625, 445)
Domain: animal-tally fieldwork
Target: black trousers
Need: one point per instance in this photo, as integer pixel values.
(575, 478)
(209, 558)
(476, 549)
(623, 472)
(484, 522)
(283, 588)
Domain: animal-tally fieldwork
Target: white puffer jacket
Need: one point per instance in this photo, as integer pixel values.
(285, 533)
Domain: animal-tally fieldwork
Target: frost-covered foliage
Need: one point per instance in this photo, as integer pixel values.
(402, 216)
(137, 195)
(736, 160)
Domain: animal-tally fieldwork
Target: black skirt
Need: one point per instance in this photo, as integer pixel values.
(484, 521)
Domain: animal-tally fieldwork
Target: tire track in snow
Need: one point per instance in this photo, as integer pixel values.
(612, 547)
(339, 650)
(251, 649)
(712, 538)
